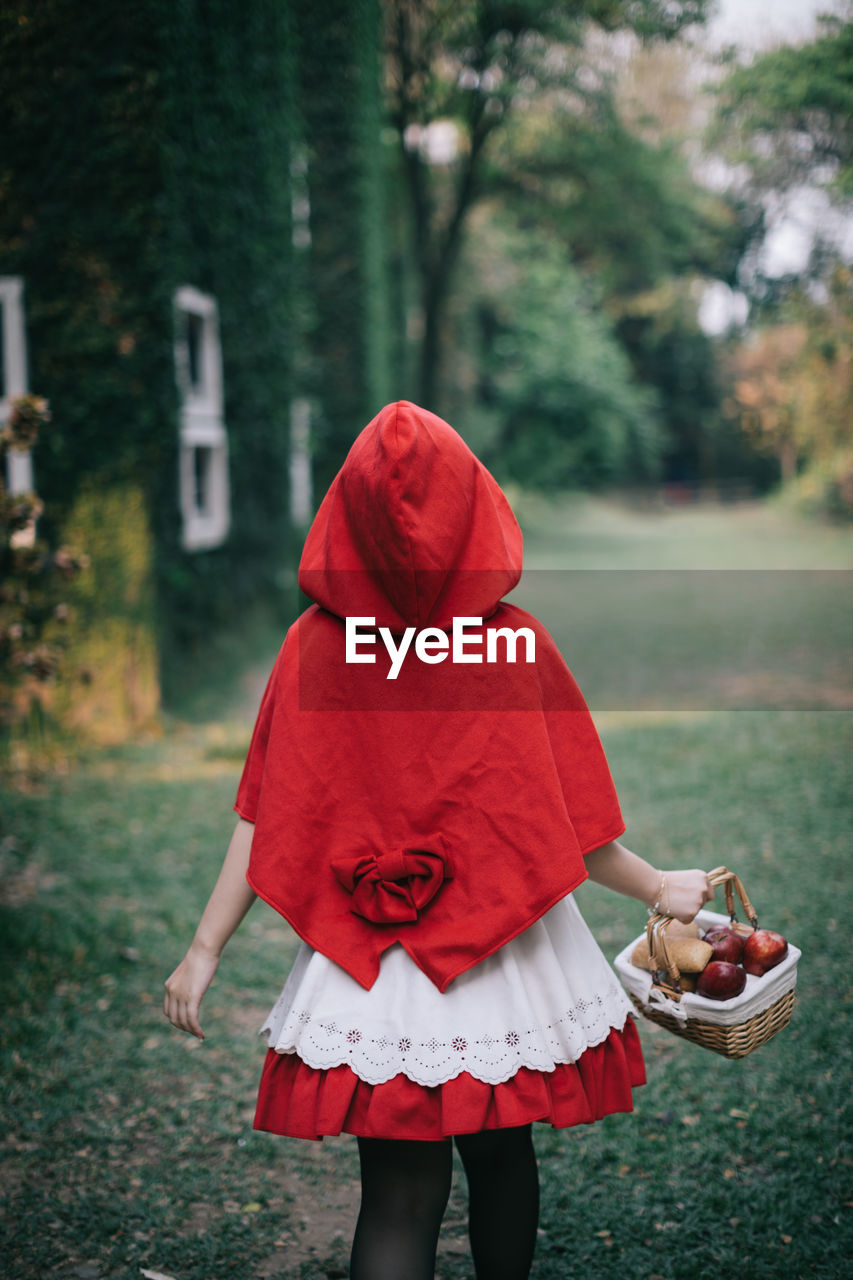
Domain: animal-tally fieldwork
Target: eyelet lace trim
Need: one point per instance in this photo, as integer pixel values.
(434, 1057)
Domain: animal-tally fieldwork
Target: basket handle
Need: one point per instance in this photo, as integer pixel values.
(731, 882)
(666, 976)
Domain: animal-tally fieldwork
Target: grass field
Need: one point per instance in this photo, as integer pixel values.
(128, 1147)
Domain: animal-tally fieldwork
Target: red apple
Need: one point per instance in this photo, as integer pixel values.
(763, 950)
(720, 980)
(716, 930)
(725, 943)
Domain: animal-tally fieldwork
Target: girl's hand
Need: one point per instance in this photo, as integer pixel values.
(185, 988)
(231, 898)
(685, 893)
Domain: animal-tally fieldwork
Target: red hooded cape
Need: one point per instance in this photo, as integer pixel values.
(446, 809)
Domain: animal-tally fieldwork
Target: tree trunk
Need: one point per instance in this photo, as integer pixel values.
(787, 455)
(430, 361)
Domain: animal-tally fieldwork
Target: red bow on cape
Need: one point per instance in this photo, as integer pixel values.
(391, 888)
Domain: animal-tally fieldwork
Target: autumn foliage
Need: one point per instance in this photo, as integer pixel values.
(33, 579)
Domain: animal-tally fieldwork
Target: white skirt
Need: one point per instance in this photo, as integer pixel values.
(541, 1000)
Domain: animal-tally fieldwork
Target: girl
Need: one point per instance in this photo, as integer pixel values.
(423, 791)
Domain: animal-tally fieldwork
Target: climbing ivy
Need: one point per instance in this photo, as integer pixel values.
(144, 147)
(341, 116)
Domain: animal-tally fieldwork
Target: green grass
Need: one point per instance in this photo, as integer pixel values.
(129, 1146)
(578, 532)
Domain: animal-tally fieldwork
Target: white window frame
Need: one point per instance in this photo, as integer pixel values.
(19, 462)
(202, 423)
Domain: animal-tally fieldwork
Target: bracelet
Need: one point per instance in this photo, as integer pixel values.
(657, 908)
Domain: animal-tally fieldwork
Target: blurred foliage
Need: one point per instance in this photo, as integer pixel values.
(226, 93)
(628, 207)
(512, 115)
(783, 123)
(78, 170)
(145, 147)
(627, 212)
(342, 260)
(786, 115)
(792, 391)
(558, 404)
(457, 76)
(112, 647)
(35, 579)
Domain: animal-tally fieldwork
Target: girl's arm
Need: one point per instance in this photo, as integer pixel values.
(231, 898)
(677, 893)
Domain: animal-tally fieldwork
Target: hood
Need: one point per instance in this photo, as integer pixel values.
(414, 530)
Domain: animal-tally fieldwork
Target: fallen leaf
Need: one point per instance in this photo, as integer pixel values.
(254, 1206)
(729, 1173)
(787, 1239)
(737, 1114)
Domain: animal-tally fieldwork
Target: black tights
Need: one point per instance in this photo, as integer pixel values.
(405, 1186)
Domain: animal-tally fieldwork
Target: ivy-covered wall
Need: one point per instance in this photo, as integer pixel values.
(149, 146)
(228, 114)
(346, 308)
(81, 169)
(82, 221)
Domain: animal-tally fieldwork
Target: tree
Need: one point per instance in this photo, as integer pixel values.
(457, 73)
(782, 125)
(786, 116)
(784, 122)
(557, 405)
(763, 369)
(609, 189)
(793, 382)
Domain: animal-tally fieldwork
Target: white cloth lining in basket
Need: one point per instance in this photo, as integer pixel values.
(542, 1000)
(758, 994)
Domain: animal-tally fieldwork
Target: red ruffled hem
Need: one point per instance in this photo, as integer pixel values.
(297, 1101)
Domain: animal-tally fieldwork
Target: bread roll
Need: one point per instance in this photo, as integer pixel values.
(689, 954)
(675, 929)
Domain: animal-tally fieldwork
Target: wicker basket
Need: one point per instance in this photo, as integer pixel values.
(733, 1027)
